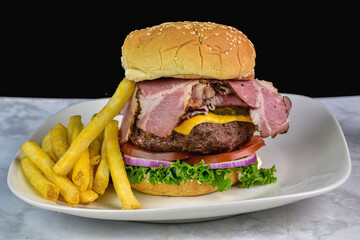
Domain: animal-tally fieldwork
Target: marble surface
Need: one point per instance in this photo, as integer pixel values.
(334, 215)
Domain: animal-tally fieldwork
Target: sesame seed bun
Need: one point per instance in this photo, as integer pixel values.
(193, 50)
(190, 188)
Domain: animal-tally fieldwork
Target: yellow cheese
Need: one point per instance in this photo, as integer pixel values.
(186, 126)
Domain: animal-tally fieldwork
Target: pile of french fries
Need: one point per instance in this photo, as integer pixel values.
(76, 162)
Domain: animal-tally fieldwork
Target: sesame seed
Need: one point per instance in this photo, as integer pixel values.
(210, 48)
(227, 53)
(216, 34)
(229, 34)
(175, 58)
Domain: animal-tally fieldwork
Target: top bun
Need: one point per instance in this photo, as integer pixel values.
(194, 50)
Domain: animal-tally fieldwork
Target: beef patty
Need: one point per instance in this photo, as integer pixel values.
(205, 138)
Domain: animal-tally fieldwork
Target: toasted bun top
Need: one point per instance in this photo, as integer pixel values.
(188, 50)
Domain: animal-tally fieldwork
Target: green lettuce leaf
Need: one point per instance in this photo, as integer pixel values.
(183, 172)
(251, 175)
(221, 181)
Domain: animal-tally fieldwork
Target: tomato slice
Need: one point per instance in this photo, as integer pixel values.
(132, 150)
(255, 144)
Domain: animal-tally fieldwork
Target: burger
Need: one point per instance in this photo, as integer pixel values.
(198, 114)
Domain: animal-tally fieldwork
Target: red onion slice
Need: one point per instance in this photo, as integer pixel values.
(135, 161)
(251, 159)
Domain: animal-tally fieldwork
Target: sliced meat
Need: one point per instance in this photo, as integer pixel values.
(192, 113)
(162, 103)
(129, 115)
(205, 138)
(287, 103)
(269, 111)
(221, 87)
(200, 92)
(224, 101)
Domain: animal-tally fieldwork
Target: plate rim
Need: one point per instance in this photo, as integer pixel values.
(136, 215)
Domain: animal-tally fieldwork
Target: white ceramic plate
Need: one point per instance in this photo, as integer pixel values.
(311, 159)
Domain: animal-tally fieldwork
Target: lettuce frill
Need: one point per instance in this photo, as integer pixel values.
(178, 172)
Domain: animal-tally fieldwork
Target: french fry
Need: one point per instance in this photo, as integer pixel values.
(67, 189)
(117, 168)
(74, 122)
(95, 160)
(88, 196)
(47, 189)
(96, 125)
(101, 180)
(74, 133)
(58, 139)
(94, 149)
(81, 171)
(92, 175)
(46, 147)
(33, 151)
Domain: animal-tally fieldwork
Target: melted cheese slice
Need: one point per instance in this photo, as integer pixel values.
(186, 126)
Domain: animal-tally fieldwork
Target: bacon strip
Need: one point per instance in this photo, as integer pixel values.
(225, 100)
(129, 114)
(269, 111)
(162, 103)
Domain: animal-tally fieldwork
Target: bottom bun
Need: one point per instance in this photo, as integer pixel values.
(190, 188)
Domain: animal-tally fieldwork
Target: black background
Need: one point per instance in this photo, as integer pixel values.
(67, 51)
